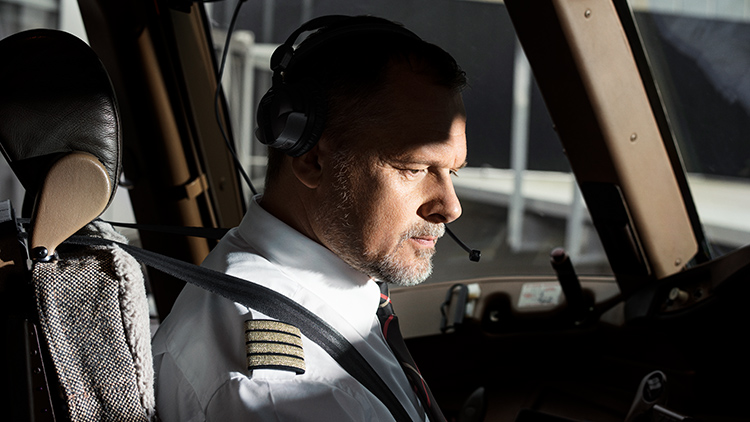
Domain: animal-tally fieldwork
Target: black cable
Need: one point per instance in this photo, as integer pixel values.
(204, 232)
(474, 254)
(217, 97)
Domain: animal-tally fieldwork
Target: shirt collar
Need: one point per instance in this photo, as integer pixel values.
(354, 295)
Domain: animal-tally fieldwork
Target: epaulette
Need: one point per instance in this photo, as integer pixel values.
(274, 345)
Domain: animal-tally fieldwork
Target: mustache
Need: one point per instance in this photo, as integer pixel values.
(424, 230)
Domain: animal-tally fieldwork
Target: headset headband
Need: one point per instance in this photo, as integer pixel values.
(336, 26)
(291, 118)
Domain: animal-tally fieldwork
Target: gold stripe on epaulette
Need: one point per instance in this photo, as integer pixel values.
(274, 345)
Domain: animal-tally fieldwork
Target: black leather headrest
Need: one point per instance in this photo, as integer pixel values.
(55, 98)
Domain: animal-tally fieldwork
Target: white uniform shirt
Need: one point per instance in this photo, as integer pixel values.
(199, 350)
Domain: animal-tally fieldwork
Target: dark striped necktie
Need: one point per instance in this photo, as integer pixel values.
(392, 334)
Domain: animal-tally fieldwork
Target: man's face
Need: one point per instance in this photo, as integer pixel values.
(392, 191)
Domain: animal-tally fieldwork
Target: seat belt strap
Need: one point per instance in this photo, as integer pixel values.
(204, 232)
(270, 303)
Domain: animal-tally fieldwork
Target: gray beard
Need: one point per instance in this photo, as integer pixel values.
(341, 236)
(391, 270)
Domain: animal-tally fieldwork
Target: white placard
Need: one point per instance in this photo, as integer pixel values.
(540, 294)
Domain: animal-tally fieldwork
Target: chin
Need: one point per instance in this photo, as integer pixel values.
(409, 283)
(407, 274)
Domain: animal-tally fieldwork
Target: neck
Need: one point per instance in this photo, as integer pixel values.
(288, 205)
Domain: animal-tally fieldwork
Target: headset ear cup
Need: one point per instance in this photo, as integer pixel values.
(264, 133)
(282, 117)
(317, 109)
(291, 118)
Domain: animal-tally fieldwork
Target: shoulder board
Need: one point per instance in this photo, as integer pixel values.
(274, 345)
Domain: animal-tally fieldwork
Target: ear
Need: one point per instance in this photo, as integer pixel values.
(308, 167)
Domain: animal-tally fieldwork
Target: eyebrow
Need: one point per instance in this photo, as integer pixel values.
(415, 160)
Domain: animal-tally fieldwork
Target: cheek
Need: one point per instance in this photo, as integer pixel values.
(390, 195)
(390, 210)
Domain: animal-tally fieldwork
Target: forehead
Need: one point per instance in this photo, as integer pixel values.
(416, 118)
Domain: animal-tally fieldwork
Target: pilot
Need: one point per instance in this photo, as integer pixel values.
(367, 127)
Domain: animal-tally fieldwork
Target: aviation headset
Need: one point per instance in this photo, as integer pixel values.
(291, 116)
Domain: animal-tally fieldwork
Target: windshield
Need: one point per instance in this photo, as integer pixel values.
(519, 199)
(699, 54)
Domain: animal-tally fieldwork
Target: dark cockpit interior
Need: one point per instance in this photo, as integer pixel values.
(606, 187)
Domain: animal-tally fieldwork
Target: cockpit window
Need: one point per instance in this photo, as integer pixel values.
(699, 54)
(519, 198)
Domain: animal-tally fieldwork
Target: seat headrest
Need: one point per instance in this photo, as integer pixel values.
(55, 98)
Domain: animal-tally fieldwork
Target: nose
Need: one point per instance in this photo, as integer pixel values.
(442, 204)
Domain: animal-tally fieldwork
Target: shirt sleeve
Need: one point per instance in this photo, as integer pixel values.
(279, 399)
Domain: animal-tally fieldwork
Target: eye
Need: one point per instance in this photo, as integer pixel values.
(412, 172)
(454, 173)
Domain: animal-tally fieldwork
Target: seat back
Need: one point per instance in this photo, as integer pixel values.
(60, 133)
